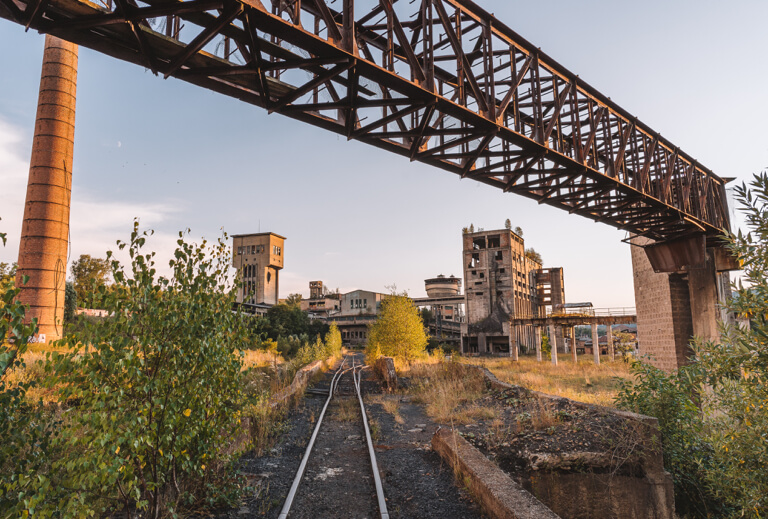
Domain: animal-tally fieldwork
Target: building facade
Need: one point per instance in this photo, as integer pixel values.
(499, 284)
(258, 259)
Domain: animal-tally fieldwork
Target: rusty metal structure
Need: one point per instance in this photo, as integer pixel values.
(442, 82)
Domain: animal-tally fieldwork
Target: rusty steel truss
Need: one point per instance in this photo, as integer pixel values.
(439, 81)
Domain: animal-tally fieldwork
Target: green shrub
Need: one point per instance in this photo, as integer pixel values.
(26, 428)
(155, 390)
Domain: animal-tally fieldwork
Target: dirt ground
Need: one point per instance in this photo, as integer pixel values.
(338, 481)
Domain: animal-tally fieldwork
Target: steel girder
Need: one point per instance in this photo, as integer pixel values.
(439, 81)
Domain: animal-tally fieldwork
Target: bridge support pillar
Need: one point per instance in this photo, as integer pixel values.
(609, 340)
(595, 344)
(552, 344)
(514, 340)
(672, 308)
(537, 342)
(574, 353)
(45, 230)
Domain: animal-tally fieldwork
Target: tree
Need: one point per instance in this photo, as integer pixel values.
(158, 388)
(508, 224)
(7, 279)
(398, 331)
(333, 341)
(471, 228)
(533, 255)
(89, 274)
(519, 231)
(70, 302)
(294, 299)
(624, 343)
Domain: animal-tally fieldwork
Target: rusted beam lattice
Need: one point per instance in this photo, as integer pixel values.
(438, 81)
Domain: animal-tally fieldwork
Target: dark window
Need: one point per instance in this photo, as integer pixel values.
(502, 271)
(478, 243)
(499, 255)
(494, 241)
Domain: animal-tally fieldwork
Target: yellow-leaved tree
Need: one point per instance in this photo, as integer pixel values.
(398, 331)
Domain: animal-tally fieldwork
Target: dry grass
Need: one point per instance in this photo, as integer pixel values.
(346, 410)
(584, 382)
(260, 359)
(448, 391)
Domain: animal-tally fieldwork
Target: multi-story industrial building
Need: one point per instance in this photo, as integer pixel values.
(258, 259)
(320, 305)
(500, 284)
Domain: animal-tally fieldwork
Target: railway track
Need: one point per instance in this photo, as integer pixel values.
(346, 380)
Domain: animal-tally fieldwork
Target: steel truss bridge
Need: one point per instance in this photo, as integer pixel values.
(442, 82)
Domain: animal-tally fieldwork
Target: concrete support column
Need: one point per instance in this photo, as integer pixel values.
(45, 230)
(552, 344)
(481, 344)
(609, 340)
(537, 341)
(702, 287)
(574, 354)
(595, 344)
(513, 342)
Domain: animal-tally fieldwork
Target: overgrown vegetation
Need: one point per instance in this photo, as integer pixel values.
(713, 413)
(146, 404)
(584, 381)
(154, 392)
(448, 390)
(398, 331)
(26, 428)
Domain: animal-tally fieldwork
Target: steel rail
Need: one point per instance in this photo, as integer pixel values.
(302, 467)
(374, 466)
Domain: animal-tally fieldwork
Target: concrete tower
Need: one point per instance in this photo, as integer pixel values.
(259, 258)
(45, 231)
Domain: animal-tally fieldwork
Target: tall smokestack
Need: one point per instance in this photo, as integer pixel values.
(45, 231)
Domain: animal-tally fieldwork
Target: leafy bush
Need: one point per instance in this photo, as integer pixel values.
(398, 330)
(26, 428)
(155, 390)
(687, 455)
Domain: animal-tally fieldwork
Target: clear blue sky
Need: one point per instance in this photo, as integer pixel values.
(178, 156)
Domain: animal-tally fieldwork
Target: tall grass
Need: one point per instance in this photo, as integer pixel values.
(585, 381)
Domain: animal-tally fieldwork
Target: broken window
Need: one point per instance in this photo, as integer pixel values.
(478, 243)
(475, 260)
(494, 241)
(502, 271)
(482, 274)
(478, 283)
(499, 255)
(478, 293)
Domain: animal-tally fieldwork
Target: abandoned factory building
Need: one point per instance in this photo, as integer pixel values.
(258, 259)
(503, 283)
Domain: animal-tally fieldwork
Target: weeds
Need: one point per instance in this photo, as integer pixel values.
(448, 389)
(583, 382)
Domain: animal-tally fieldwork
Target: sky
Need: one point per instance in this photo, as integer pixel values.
(178, 157)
